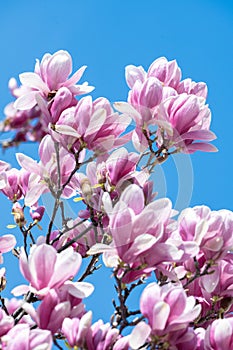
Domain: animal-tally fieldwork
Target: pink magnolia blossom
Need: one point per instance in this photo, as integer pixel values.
(138, 233)
(219, 335)
(37, 213)
(80, 333)
(169, 312)
(50, 313)
(220, 282)
(9, 184)
(144, 97)
(14, 183)
(112, 174)
(6, 322)
(21, 337)
(169, 74)
(191, 87)
(50, 75)
(101, 336)
(15, 119)
(58, 304)
(184, 339)
(46, 269)
(211, 230)
(166, 71)
(92, 125)
(176, 108)
(184, 119)
(75, 329)
(44, 174)
(12, 305)
(7, 243)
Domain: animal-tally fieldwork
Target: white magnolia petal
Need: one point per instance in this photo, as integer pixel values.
(66, 130)
(26, 101)
(98, 248)
(33, 80)
(80, 289)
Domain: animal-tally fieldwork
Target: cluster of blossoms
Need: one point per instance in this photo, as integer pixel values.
(83, 156)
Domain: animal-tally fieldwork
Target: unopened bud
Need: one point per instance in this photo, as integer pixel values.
(86, 190)
(18, 214)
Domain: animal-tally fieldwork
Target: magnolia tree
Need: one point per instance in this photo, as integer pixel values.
(188, 303)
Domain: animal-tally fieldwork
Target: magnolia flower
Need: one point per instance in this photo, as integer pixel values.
(219, 335)
(184, 119)
(211, 230)
(50, 75)
(168, 311)
(158, 99)
(165, 71)
(102, 337)
(80, 333)
(50, 313)
(43, 175)
(6, 322)
(22, 337)
(46, 269)
(10, 184)
(7, 243)
(92, 125)
(75, 329)
(139, 238)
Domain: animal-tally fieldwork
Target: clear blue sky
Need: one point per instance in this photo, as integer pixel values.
(106, 35)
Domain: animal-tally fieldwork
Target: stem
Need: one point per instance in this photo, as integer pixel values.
(68, 244)
(122, 313)
(90, 268)
(55, 209)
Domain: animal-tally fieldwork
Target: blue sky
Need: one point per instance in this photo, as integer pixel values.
(107, 35)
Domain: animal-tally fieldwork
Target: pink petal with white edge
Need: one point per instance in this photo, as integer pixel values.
(34, 194)
(34, 81)
(120, 141)
(122, 343)
(209, 282)
(28, 163)
(133, 196)
(205, 135)
(3, 180)
(20, 290)
(75, 77)
(79, 289)
(139, 335)
(222, 334)
(133, 73)
(67, 130)
(200, 146)
(27, 101)
(126, 108)
(43, 105)
(59, 67)
(161, 312)
(67, 265)
(41, 263)
(81, 89)
(31, 311)
(139, 141)
(96, 122)
(7, 243)
(98, 248)
(140, 244)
